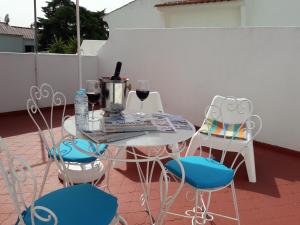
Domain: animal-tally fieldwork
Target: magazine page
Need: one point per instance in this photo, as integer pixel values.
(178, 121)
(128, 123)
(163, 125)
(102, 137)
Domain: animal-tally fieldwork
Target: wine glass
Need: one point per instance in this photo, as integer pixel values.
(142, 93)
(93, 94)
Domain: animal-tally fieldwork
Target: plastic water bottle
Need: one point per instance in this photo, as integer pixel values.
(81, 109)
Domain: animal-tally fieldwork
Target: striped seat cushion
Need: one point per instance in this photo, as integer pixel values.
(219, 129)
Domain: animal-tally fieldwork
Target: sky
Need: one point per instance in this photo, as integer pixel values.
(21, 11)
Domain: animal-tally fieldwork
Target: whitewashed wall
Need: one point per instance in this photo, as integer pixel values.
(139, 13)
(223, 14)
(17, 76)
(266, 13)
(144, 14)
(272, 12)
(190, 66)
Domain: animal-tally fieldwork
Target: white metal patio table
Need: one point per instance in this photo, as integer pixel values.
(156, 143)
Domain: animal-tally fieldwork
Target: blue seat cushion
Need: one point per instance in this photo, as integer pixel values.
(202, 173)
(76, 205)
(70, 154)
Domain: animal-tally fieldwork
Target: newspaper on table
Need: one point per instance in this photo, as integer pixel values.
(102, 137)
(134, 122)
(177, 121)
(163, 125)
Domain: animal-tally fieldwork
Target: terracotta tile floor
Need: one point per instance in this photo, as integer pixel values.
(273, 200)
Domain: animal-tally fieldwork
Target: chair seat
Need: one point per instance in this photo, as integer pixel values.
(70, 154)
(202, 173)
(76, 205)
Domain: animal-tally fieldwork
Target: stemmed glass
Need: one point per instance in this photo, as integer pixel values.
(142, 93)
(93, 94)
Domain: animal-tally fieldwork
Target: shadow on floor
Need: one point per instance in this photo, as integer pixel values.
(19, 122)
(273, 164)
(270, 165)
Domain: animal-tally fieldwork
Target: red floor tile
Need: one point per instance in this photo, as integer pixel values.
(273, 200)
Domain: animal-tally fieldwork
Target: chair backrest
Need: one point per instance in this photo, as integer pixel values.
(226, 120)
(44, 120)
(151, 104)
(17, 174)
(230, 110)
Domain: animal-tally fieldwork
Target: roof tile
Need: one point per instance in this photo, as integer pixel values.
(26, 32)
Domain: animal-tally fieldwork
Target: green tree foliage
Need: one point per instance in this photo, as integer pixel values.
(59, 25)
(71, 46)
(58, 46)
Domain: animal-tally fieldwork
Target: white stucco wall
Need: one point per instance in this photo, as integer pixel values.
(189, 66)
(91, 47)
(224, 14)
(17, 76)
(272, 12)
(266, 13)
(139, 13)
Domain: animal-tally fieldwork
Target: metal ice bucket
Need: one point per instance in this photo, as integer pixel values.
(113, 95)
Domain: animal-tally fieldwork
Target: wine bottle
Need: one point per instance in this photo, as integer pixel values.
(116, 76)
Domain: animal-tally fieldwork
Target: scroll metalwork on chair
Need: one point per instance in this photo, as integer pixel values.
(57, 207)
(58, 149)
(206, 170)
(226, 117)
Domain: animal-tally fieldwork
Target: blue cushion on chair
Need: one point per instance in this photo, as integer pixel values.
(70, 154)
(77, 205)
(202, 173)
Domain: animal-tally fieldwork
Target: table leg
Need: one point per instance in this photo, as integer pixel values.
(146, 178)
(166, 200)
(111, 165)
(145, 181)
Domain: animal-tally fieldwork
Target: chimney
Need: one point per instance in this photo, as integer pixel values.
(6, 19)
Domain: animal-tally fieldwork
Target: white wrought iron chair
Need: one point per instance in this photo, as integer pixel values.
(73, 165)
(230, 115)
(151, 104)
(207, 172)
(79, 204)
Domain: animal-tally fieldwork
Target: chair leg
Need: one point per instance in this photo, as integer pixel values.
(45, 177)
(250, 163)
(194, 220)
(235, 203)
(122, 155)
(118, 220)
(122, 220)
(206, 216)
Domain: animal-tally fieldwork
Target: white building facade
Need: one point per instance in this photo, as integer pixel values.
(205, 13)
(16, 39)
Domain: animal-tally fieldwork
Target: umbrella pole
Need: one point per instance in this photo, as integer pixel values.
(35, 46)
(78, 44)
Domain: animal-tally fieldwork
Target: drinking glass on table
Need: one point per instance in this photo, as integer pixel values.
(142, 93)
(93, 94)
